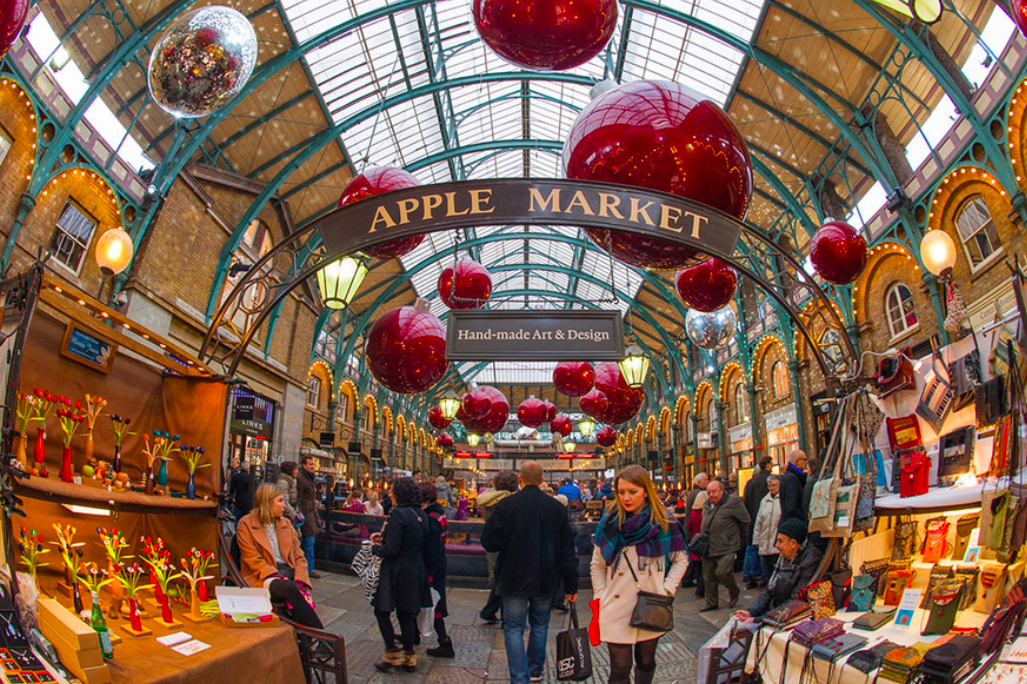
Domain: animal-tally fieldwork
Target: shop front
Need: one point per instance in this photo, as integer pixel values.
(252, 429)
(740, 446)
(782, 428)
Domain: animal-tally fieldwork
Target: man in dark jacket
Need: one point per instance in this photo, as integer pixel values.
(725, 521)
(793, 483)
(306, 502)
(755, 489)
(796, 567)
(532, 534)
(240, 489)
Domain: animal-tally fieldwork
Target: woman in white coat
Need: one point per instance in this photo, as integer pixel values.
(764, 534)
(635, 531)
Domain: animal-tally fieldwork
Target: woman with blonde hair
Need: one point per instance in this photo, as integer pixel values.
(270, 556)
(637, 547)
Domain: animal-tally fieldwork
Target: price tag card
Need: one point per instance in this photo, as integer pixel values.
(907, 607)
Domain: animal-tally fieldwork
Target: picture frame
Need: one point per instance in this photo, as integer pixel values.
(85, 347)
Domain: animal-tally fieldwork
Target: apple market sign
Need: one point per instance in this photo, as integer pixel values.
(534, 336)
(467, 204)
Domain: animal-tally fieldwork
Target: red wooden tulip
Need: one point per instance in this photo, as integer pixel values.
(708, 286)
(445, 440)
(573, 378)
(437, 420)
(593, 402)
(376, 181)
(561, 424)
(606, 437)
(532, 412)
(472, 288)
(545, 34)
(406, 350)
(661, 136)
(838, 252)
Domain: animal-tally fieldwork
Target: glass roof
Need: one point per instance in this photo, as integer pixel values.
(499, 128)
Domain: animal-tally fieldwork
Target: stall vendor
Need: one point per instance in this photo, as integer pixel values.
(796, 567)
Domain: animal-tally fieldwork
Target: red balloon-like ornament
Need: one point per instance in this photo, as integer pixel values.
(606, 436)
(495, 419)
(660, 136)
(445, 440)
(437, 420)
(12, 17)
(550, 410)
(1019, 12)
(532, 412)
(708, 286)
(561, 424)
(622, 405)
(472, 288)
(838, 252)
(477, 404)
(406, 350)
(376, 181)
(573, 378)
(593, 402)
(545, 35)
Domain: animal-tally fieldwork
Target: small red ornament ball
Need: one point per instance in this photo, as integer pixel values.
(445, 440)
(838, 252)
(12, 17)
(606, 437)
(532, 412)
(406, 350)
(709, 286)
(622, 405)
(477, 404)
(470, 288)
(1019, 12)
(573, 378)
(376, 181)
(545, 35)
(495, 419)
(550, 410)
(593, 402)
(437, 420)
(561, 424)
(661, 136)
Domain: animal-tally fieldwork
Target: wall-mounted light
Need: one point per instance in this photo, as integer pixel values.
(114, 251)
(340, 280)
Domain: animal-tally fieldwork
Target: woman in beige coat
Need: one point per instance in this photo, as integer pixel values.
(636, 534)
(764, 534)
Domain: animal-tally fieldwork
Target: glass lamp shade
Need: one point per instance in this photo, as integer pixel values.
(569, 446)
(114, 250)
(449, 405)
(634, 367)
(473, 439)
(586, 427)
(926, 11)
(938, 252)
(340, 280)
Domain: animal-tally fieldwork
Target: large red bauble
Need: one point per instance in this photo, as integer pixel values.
(708, 286)
(660, 136)
(477, 404)
(573, 378)
(561, 424)
(838, 252)
(406, 350)
(437, 420)
(1019, 12)
(606, 436)
(376, 181)
(593, 402)
(497, 416)
(445, 440)
(545, 35)
(609, 378)
(622, 405)
(473, 285)
(12, 18)
(532, 412)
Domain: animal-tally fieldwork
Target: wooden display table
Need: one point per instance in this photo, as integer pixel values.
(53, 489)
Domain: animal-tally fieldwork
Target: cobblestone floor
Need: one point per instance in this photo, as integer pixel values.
(480, 657)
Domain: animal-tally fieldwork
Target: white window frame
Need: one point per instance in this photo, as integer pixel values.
(989, 230)
(6, 143)
(742, 401)
(906, 330)
(314, 392)
(786, 383)
(61, 232)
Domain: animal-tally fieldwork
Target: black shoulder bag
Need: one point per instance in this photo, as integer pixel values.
(700, 543)
(653, 612)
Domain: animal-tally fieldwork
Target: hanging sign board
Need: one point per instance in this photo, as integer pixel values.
(534, 336)
(88, 349)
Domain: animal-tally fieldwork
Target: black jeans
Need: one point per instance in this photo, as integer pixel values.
(645, 662)
(407, 628)
(299, 610)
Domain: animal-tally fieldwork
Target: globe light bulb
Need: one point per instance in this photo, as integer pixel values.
(938, 252)
(114, 251)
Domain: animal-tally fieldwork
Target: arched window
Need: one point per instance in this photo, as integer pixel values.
(342, 410)
(686, 426)
(711, 415)
(741, 403)
(977, 231)
(314, 392)
(779, 376)
(902, 316)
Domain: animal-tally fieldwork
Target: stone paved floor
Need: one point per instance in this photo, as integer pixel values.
(480, 657)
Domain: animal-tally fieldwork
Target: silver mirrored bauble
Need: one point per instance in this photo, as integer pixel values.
(202, 61)
(710, 330)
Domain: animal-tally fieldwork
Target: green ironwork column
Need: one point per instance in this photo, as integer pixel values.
(800, 416)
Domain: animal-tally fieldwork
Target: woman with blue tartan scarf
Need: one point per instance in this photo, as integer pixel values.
(635, 530)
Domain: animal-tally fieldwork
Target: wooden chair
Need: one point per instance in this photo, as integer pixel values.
(728, 664)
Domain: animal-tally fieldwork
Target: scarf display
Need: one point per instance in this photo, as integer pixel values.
(639, 531)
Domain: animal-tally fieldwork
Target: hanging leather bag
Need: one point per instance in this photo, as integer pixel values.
(935, 541)
(955, 455)
(864, 593)
(944, 603)
(653, 612)
(895, 586)
(905, 540)
(964, 526)
(914, 475)
(895, 373)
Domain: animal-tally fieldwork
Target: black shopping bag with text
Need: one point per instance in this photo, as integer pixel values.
(573, 657)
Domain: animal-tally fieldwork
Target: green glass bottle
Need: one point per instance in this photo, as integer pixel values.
(100, 626)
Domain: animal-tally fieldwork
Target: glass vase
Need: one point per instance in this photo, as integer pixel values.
(135, 621)
(39, 449)
(190, 487)
(66, 471)
(116, 465)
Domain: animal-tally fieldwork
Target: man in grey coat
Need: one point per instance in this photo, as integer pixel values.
(725, 522)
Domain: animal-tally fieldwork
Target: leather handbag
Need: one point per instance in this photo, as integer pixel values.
(955, 454)
(993, 583)
(935, 541)
(653, 612)
(864, 593)
(964, 526)
(868, 660)
(788, 614)
(814, 631)
(939, 573)
(873, 620)
(836, 647)
(943, 606)
(951, 661)
(968, 574)
(895, 587)
(866, 496)
(990, 401)
(905, 540)
(877, 568)
(914, 475)
(841, 587)
(895, 373)
(904, 433)
(1006, 619)
(821, 597)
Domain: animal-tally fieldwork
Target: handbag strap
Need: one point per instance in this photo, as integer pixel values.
(622, 551)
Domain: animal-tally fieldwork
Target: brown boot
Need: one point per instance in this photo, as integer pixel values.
(410, 661)
(391, 657)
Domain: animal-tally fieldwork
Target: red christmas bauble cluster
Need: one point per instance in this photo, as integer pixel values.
(593, 403)
(708, 286)
(377, 181)
(477, 404)
(573, 378)
(469, 288)
(545, 35)
(532, 412)
(445, 440)
(494, 419)
(1019, 12)
(437, 420)
(612, 401)
(606, 436)
(838, 252)
(550, 410)
(406, 350)
(660, 136)
(12, 17)
(561, 424)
